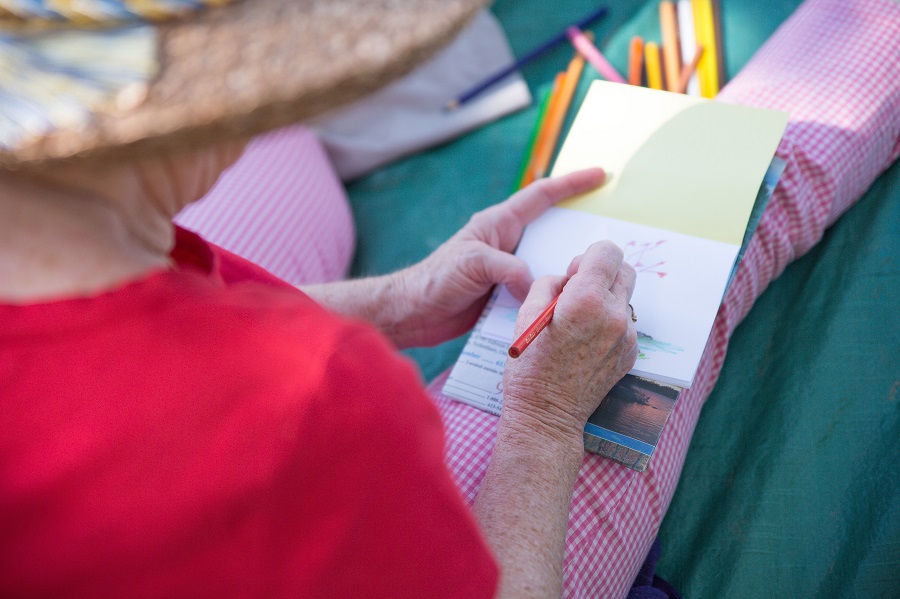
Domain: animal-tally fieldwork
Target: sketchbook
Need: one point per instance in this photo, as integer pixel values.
(627, 425)
(683, 181)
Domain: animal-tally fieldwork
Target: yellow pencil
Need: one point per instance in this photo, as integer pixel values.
(557, 115)
(704, 29)
(651, 65)
(670, 45)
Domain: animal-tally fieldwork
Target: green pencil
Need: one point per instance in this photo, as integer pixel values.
(532, 141)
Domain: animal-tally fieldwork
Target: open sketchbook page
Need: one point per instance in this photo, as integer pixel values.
(682, 179)
(665, 263)
(680, 283)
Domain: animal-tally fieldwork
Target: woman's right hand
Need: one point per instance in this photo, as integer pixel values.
(590, 344)
(548, 393)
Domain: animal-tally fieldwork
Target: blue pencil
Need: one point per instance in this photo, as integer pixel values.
(546, 46)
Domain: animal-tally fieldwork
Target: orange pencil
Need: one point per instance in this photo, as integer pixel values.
(528, 175)
(654, 73)
(539, 324)
(670, 44)
(688, 71)
(533, 139)
(636, 60)
(557, 115)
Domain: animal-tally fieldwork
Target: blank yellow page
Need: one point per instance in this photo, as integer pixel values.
(673, 161)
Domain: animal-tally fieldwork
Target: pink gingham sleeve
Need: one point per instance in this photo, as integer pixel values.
(834, 65)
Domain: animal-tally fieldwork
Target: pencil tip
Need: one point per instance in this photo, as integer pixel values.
(451, 105)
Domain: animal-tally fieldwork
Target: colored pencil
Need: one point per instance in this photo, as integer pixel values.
(544, 152)
(688, 71)
(671, 51)
(651, 59)
(533, 54)
(636, 60)
(590, 52)
(704, 30)
(540, 323)
(717, 28)
(688, 42)
(532, 140)
(528, 176)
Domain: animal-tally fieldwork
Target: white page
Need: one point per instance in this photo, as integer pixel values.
(680, 282)
(477, 376)
(688, 41)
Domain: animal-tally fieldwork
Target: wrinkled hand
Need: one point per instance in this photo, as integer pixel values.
(590, 344)
(450, 288)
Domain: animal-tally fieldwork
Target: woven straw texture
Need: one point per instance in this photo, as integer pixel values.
(261, 64)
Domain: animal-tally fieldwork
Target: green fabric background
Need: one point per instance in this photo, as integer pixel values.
(791, 484)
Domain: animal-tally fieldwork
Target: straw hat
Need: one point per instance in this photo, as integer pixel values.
(256, 65)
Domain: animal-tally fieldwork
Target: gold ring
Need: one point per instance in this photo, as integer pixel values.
(633, 317)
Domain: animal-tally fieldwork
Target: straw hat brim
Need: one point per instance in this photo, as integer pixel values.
(257, 65)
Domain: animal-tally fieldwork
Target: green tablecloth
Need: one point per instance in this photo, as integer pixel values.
(791, 485)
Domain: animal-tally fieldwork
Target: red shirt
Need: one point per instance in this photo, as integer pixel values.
(212, 431)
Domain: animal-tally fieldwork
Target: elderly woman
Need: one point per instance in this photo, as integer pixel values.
(185, 423)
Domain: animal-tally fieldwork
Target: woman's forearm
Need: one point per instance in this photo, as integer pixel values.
(523, 506)
(381, 301)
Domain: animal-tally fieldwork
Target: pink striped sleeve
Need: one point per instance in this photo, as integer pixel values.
(282, 207)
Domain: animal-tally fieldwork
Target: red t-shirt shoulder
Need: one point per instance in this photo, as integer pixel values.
(213, 431)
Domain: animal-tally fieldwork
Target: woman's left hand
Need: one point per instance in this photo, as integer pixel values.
(445, 293)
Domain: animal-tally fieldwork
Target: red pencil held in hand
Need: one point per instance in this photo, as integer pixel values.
(539, 324)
